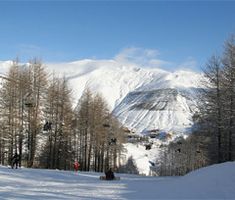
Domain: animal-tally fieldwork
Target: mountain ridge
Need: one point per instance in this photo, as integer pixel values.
(116, 80)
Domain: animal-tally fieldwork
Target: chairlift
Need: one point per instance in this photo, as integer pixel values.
(148, 146)
(179, 142)
(47, 126)
(106, 125)
(113, 141)
(178, 150)
(29, 104)
(152, 163)
(29, 100)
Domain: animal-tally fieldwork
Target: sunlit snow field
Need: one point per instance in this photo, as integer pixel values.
(214, 182)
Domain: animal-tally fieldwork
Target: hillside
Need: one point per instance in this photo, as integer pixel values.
(141, 97)
(214, 182)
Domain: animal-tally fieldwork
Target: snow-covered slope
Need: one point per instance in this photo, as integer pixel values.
(142, 98)
(112, 79)
(214, 182)
(168, 109)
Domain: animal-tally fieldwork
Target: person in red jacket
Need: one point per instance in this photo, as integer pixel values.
(76, 166)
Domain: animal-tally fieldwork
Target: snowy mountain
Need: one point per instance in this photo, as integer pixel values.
(142, 98)
(169, 109)
(213, 182)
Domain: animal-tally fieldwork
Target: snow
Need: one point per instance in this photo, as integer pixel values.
(142, 98)
(115, 80)
(164, 109)
(214, 182)
(142, 157)
(4, 66)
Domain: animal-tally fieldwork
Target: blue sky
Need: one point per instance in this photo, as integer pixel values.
(180, 33)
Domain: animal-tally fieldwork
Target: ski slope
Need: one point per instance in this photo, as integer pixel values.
(214, 182)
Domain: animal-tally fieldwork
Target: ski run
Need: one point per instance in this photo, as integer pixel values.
(213, 182)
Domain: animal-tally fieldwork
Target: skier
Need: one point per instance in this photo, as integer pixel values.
(15, 161)
(76, 166)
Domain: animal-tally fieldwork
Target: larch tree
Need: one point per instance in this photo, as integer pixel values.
(229, 83)
(58, 121)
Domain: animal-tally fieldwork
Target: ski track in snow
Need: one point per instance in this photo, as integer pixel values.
(214, 182)
(50, 184)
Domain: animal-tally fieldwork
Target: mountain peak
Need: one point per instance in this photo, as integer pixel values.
(117, 81)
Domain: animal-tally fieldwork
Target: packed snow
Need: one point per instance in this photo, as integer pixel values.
(214, 182)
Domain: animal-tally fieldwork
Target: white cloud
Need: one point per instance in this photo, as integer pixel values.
(189, 64)
(133, 56)
(159, 63)
(140, 56)
(136, 54)
(151, 58)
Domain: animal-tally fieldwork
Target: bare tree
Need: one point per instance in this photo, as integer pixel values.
(229, 92)
(58, 118)
(100, 134)
(212, 106)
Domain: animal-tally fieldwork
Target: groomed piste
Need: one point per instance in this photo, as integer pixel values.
(213, 182)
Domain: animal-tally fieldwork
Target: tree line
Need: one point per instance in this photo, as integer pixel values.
(213, 137)
(38, 121)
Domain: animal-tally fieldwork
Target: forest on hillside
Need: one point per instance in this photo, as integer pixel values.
(39, 122)
(213, 137)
